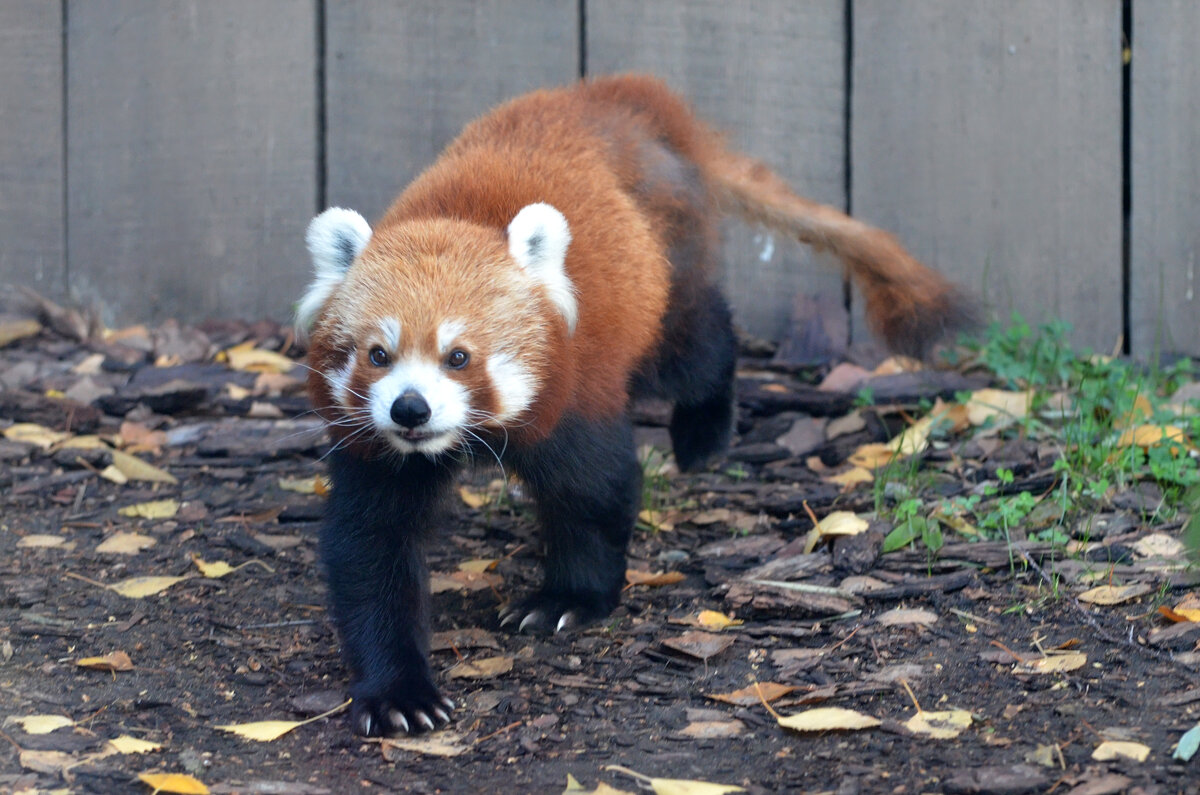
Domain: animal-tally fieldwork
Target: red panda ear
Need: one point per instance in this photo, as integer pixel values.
(334, 238)
(537, 239)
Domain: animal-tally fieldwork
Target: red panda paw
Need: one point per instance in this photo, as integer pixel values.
(402, 709)
(545, 613)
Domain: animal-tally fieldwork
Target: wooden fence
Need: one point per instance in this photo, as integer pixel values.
(162, 157)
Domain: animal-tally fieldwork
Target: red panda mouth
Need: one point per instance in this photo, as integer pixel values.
(413, 435)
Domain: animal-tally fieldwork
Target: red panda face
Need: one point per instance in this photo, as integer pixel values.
(438, 334)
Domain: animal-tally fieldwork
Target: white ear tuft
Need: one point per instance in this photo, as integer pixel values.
(334, 238)
(537, 239)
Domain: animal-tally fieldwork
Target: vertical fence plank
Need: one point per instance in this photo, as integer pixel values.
(32, 235)
(191, 153)
(772, 76)
(1165, 219)
(403, 77)
(988, 137)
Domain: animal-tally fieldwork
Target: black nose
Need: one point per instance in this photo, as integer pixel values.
(410, 410)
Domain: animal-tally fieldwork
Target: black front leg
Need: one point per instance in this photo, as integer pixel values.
(372, 546)
(587, 483)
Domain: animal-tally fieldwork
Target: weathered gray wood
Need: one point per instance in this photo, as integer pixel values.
(987, 136)
(770, 74)
(404, 77)
(32, 235)
(1164, 307)
(191, 155)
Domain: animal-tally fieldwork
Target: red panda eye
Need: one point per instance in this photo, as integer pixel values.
(378, 357)
(458, 359)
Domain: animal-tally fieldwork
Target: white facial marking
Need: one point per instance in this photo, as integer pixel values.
(339, 382)
(514, 385)
(390, 328)
(334, 239)
(447, 333)
(448, 404)
(537, 239)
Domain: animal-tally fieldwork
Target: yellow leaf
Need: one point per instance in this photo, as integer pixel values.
(1119, 749)
(473, 499)
(678, 786)
(1055, 663)
(850, 478)
(32, 433)
(114, 661)
(113, 474)
(40, 541)
(711, 619)
(482, 668)
(154, 509)
(939, 725)
(872, 456)
(41, 724)
(479, 565)
(263, 731)
(257, 360)
(132, 745)
(1150, 436)
(635, 577)
(214, 570)
(125, 544)
(140, 587)
(1000, 406)
(300, 485)
(1115, 594)
(837, 523)
(1140, 412)
(824, 719)
(443, 743)
(575, 788)
(134, 468)
(177, 783)
(913, 439)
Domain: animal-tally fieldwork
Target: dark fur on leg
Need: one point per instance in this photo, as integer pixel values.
(372, 547)
(587, 483)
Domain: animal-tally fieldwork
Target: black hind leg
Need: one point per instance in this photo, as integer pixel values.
(696, 371)
(587, 484)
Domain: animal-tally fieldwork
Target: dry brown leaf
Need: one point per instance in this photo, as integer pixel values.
(32, 433)
(125, 544)
(464, 581)
(754, 694)
(51, 762)
(177, 783)
(113, 661)
(1054, 663)
(1000, 406)
(1115, 594)
(1120, 749)
(40, 541)
(713, 729)
(1151, 436)
(1158, 545)
(822, 719)
(482, 668)
(635, 577)
(40, 724)
(850, 478)
(901, 616)
(872, 456)
(701, 645)
(443, 743)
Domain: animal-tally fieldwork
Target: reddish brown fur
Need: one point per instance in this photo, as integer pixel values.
(628, 165)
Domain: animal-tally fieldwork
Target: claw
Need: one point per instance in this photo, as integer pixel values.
(448, 704)
(365, 725)
(424, 720)
(507, 617)
(566, 620)
(397, 719)
(531, 618)
(441, 715)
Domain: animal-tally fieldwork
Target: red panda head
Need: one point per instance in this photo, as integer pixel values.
(429, 333)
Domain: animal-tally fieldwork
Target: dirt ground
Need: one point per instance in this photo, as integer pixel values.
(963, 631)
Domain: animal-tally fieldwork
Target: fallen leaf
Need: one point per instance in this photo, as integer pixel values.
(713, 729)
(212, 570)
(464, 581)
(1158, 545)
(482, 668)
(1188, 744)
(837, 523)
(141, 587)
(113, 661)
(711, 619)
(821, 719)
(301, 485)
(134, 468)
(754, 694)
(132, 745)
(40, 724)
(177, 783)
(125, 544)
(1150, 436)
(575, 788)
(246, 357)
(677, 786)
(1115, 594)
(872, 456)
(472, 499)
(1055, 663)
(1141, 411)
(478, 565)
(635, 577)
(264, 731)
(1120, 749)
(850, 478)
(443, 743)
(52, 762)
(32, 433)
(701, 645)
(39, 541)
(1000, 406)
(901, 616)
(939, 725)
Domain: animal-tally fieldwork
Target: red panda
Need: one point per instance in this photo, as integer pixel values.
(557, 259)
